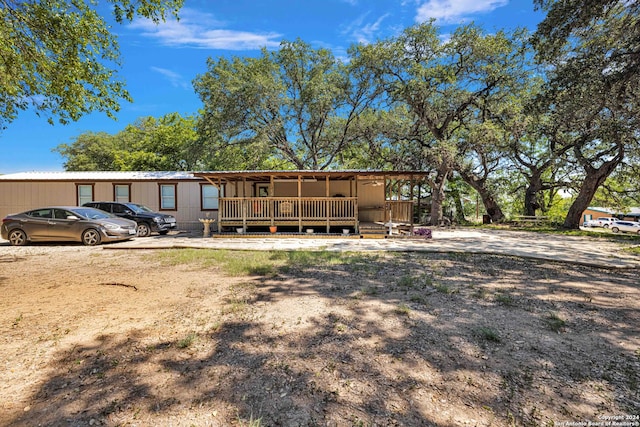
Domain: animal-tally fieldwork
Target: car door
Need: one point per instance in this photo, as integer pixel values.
(36, 224)
(121, 210)
(63, 228)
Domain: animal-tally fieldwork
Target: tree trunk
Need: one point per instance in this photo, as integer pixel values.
(581, 203)
(437, 196)
(486, 195)
(531, 201)
(593, 180)
(492, 206)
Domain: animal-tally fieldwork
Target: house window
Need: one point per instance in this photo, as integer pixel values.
(262, 190)
(84, 193)
(168, 199)
(208, 197)
(122, 193)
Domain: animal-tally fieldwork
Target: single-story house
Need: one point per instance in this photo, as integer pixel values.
(319, 200)
(178, 193)
(251, 200)
(633, 214)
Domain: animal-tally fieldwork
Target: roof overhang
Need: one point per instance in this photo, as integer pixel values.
(318, 175)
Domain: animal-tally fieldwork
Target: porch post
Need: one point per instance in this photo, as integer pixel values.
(411, 198)
(244, 204)
(272, 210)
(218, 227)
(299, 204)
(355, 207)
(327, 202)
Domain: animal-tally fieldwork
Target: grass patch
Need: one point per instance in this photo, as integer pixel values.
(402, 310)
(634, 250)
(236, 305)
(487, 334)
(505, 299)
(406, 282)
(554, 322)
(445, 289)
(419, 299)
(264, 263)
(187, 341)
(370, 290)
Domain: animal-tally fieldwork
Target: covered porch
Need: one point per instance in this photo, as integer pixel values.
(324, 201)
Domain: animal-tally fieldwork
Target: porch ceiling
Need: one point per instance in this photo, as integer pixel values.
(262, 176)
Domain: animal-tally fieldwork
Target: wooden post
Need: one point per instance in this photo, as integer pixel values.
(411, 198)
(327, 202)
(272, 211)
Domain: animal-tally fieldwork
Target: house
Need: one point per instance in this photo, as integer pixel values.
(633, 214)
(325, 201)
(595, 212)
(320, 200)
(180, 194)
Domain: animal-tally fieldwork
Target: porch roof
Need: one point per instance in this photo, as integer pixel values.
(266, 175)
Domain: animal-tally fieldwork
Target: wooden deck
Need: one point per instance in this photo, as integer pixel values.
(301, 213)
(297, 212)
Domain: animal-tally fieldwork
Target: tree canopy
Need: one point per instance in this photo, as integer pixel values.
(58, 57)
(297, 102)
(168, 143)
(476, 110)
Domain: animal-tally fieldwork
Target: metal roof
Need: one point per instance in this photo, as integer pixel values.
(99, 176)
(261, 175)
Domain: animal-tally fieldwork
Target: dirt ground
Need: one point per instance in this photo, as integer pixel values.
(92, 336)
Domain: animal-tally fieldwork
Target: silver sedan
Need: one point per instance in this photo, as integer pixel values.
(625, 226)
(66, 224)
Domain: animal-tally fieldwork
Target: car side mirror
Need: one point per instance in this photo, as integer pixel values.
(72, 217)
(128, 212)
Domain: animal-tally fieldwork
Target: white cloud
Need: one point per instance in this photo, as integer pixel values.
(174, 78)
(201, 30)
(455, 10)
(364, 32)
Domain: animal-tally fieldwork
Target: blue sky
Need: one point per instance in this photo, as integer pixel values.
(160, 62)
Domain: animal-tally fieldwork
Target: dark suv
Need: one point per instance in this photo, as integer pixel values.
(147, 219)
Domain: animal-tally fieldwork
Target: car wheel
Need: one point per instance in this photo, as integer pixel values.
(615, 229)
(91, 237)
(143, 230)
(17, 238)
(606, 226)
(163, 232)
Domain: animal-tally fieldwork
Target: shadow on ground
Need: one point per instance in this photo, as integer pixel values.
(368, 339)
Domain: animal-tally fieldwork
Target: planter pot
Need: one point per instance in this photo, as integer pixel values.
(273, 229)
(309, 230)
(240, 230)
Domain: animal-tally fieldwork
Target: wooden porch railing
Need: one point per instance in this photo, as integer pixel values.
(288, 211)
(401, 211)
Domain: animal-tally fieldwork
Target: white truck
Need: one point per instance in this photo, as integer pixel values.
(603, 221)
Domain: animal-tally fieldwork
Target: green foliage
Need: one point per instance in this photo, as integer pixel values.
(296, 105)
(168, 143)
(441, 93)
(554, 322)
(592, 91)
(56, 56)
(487, 334)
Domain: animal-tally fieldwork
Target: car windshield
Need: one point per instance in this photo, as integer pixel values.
(91, 213)
(138, 208)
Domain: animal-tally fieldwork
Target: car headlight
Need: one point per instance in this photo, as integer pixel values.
(109, 226)
(158, 219)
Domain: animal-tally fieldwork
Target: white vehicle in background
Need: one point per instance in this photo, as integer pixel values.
(626, 227)
(603, 221)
